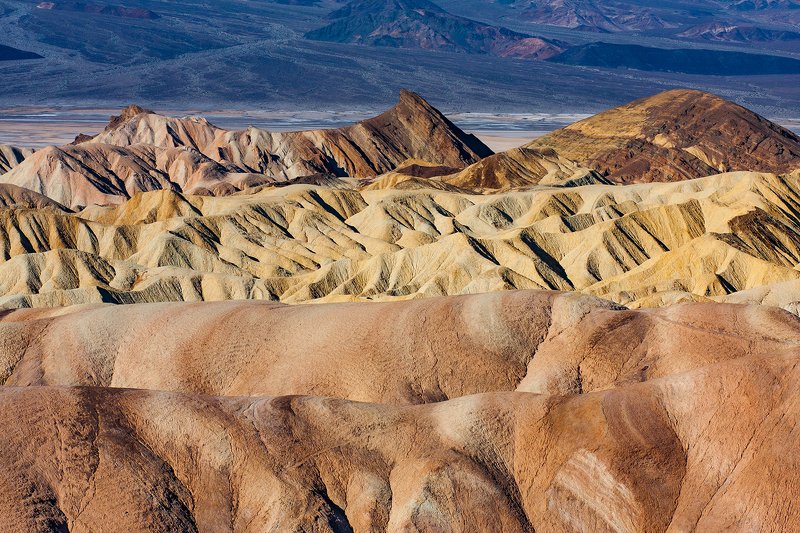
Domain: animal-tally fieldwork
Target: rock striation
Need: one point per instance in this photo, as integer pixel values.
(11, 156)
(141, 151)
(597, 331)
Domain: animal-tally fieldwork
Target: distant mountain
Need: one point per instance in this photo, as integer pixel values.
(758, 5)
(680, 60)
(424, 25)
(722, 32)
(143, 151)
(591, 15)
(675, 135)
(100, 9)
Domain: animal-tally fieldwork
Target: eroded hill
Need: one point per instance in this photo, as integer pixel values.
(645, 420)
(641, 245)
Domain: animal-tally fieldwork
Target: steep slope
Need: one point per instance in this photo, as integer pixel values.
(105, 174)
(142, 151)
(11, 156)
(521, 167)
(423, 24)
(12, 196)
(679, 134)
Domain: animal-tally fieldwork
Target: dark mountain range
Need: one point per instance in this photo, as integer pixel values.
(101, 9)
(423, 24)
(760, 5)
(685, 61)
(242, 53)
(722, 32)
(592, 15)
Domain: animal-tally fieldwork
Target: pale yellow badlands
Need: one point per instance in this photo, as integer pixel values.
(637, 245)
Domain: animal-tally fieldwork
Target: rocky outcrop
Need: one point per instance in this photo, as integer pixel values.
(102, 174)
(11, 156)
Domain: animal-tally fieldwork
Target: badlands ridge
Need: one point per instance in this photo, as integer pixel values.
(596, 331)
(407, 205)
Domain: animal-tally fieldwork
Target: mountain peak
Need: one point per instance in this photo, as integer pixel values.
(413, 121)
(413, 102)
(128, 113)
(674, 135)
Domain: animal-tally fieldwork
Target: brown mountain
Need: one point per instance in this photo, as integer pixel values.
(142, 151)
(411, 129)
(674, 135)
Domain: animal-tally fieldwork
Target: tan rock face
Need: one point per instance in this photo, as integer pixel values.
(703, 446)
(103, 174)
(411, 129)
(141, 151)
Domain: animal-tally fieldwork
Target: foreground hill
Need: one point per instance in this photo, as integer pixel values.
(533, 341)
(650, 419)
(640, 245)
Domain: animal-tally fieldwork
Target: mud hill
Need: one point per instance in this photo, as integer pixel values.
(640, 245)
(678, 439)
(142, 151)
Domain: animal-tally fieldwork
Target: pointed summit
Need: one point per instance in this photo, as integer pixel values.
(415, 123)
(128, 113)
